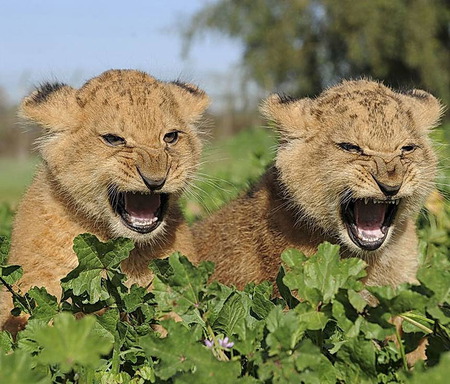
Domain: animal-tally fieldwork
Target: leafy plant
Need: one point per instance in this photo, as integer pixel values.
(190, 330)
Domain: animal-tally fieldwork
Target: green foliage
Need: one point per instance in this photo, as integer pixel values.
(302, 46)
(190, 330)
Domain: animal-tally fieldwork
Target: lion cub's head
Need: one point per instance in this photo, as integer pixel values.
(356, 161)
(121, 148)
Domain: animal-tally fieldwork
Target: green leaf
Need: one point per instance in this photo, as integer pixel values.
(318, 278)
(178, 285)
(71, 342)
(231, 319)
(260, 296)
(19, 368)
(398, 300)
(285, 330)
(11, 273)
(356, 361)
(216, 295)
(26, 340)
(285, 292)
(95, 259)
(46, 304)
(313, 367)
(106, 324)
(6, 342)
(356, 300)
(134, 299)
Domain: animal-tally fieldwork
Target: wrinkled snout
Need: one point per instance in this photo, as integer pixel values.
(388, 174)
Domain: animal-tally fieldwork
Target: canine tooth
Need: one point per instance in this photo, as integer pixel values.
(366, 200)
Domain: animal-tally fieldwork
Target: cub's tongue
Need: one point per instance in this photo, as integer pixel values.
(142, 206)
(369, 218)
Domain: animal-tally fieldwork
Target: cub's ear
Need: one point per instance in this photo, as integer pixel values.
(425, 108)
(191, 100)
(292, 117)
(52, 105)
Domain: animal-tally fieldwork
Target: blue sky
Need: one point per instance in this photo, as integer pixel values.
(72, 41)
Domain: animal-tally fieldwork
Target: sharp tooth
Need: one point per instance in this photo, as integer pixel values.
(366, 200)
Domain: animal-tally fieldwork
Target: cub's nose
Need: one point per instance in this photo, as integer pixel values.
(388, 190)
(152, 184)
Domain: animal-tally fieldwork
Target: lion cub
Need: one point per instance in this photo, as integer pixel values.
(117, 154)
(353, 167)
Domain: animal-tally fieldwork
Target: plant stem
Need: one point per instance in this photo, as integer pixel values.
(417, 324)
(115, 367)
(402, 349)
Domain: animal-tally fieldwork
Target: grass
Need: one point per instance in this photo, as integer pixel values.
(15, 176)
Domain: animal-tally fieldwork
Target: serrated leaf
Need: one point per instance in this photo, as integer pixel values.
(134, 298)
(70, 342)
(26, 341)
(231, 319)
(46, 304)
(317, 279)
(95, 259)
(261, 304)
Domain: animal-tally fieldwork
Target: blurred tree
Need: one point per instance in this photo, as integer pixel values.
(301, 46)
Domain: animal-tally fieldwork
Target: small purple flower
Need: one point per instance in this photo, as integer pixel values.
(208, 343)
(225, 343)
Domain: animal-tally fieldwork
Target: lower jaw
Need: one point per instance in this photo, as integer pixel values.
(366, 245)
(141, 230)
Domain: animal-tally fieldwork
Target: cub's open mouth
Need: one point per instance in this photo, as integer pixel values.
(140, 212)
(368, 220)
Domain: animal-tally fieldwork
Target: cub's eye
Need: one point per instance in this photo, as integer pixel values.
(171, 137)
(349, 147)
(408, 148)
(113, 140)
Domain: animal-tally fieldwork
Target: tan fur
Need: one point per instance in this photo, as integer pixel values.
(69, 194)
(297, 203)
